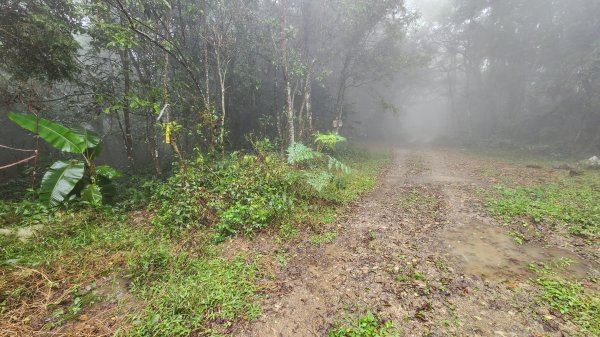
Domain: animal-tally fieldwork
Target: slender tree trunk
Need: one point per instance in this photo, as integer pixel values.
(126, 109)
(290, 109)
(205, 61)
(286, 76)
(276, 110)
(222, 72)
(339, 105)
(305, 107)
(152, 141)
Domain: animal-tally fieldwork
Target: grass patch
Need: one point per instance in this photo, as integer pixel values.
(568, 297)
(196, 295)
(366, 326)
(569, 202)
(321, 239)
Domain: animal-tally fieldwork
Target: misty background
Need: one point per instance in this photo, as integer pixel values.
(518, 74)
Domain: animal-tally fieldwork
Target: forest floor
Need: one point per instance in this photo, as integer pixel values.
(422, 251)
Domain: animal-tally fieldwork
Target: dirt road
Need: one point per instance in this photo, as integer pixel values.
(418, 250)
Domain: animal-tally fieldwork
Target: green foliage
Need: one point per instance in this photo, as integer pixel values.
(570, 298)
(182, 291)
(60, 181)
(317, 178)
(24, 213)
(321, 239)
(179, 280)
(236, 195)
(107, 172)
(572, 202)
(56, 135)
(328, 140)
(288, 231)
(65, 180)
(300, 153)
(366, 326)
(334, 164)
(188, 293)
(37, 39)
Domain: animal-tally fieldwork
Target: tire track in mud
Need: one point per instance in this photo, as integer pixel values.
(415, 251)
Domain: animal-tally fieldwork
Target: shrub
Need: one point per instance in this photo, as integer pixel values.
(238, 195)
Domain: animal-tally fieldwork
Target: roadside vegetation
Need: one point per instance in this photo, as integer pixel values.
(151, 263)
(567, 298)
(366, 326)
(561, 202)
(570, 203)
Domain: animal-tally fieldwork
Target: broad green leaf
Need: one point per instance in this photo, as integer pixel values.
(93, 142)
(90, 138)
(60, 180)
(107, 172)
(56, 135)
(91, 194)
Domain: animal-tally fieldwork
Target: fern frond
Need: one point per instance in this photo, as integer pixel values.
(298, 152)
(328, 140)
(338, 165)
(318, 180)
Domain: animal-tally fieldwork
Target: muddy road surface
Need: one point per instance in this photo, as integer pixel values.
(421, 251)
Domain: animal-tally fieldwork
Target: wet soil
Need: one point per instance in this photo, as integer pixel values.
(421, 251)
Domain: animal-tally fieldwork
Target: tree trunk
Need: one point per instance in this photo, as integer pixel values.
(126, 109)
(339, 105)
(290, 108)
(286, 76)
(206, 62)
(222, 72)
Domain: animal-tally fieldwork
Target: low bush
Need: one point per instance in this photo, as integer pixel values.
(238, 195)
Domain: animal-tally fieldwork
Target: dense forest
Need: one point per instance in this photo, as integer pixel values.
(223, 71)
(339, 168)
(213, 73)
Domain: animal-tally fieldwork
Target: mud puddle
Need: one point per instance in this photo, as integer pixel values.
(486, 250)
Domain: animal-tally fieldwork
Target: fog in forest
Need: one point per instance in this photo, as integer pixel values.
(521, 74)
(296, 168)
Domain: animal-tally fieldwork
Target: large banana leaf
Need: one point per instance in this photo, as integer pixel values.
(56, 135)
(90, 137)
(60, 180)
(92, 141)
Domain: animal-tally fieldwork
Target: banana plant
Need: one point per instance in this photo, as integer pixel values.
(68, 179)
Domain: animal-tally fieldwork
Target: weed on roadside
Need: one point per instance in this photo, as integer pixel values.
(571, 202)
(321, 239)
(569, 298)
(366, 326)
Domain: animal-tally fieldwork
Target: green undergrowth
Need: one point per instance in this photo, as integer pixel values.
(185, 294)
(571, 202)
(164, 238)
(366, 326)
(246, 193)
(568, 298)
